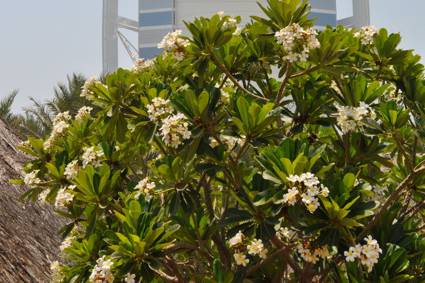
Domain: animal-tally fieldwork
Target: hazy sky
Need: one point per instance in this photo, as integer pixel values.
(44, 41)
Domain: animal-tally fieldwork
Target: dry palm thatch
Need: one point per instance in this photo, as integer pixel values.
(28, 231)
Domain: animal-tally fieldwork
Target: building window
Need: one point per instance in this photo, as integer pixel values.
(323, 4)
(156, 19)
(155, 4)
(149, 52)
(323, 19)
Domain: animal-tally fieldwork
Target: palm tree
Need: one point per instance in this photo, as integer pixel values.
(22, 124)
(67, 96)
(37, 119)
(6, 108)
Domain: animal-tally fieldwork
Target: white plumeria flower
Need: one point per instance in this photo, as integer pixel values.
(366, 34)
(350, 256)
(63, 198)
(313, 205)
(67, 243)
(145, 188)
(230, 23)
(130, 278)
(263, 253)
(56, 272)
(86, 91)
(322, 252)
(142, 64)
(83, 113)
(370, 241)
(60, 125)
(324, 191)
(306, 187)
(159, 109)
(256, 247)
(173, 42)
(241, 259)
(350, 118)
(62, 117)
(43, 196)
(291, 196)
(92, 155)
(306, 254)
(31, 179)
(368, 253)
(213, 143)
(237, 239)
(102, 273)
(72, 169)
(297, 42)
(174, 130)
(285, 233)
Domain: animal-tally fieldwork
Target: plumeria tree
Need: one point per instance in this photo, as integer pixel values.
(271, 152)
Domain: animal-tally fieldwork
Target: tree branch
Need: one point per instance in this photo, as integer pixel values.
(223, 68)
(282, 88)
(394, 195)
(270, 258)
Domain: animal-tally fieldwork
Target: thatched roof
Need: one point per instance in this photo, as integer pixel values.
(28, 231)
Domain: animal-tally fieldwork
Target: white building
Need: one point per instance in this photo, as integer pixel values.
(158, 17)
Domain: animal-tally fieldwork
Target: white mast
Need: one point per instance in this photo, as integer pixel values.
(361, 15)
(110, 34)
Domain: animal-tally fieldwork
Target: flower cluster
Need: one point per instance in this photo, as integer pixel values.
(66, 243)
(71, 169)
(173, 42)
(366, 34)
(92, 155)
(43, 196)
(83, 113)
(64, 198)
(146, 188)
(174, 130)
(142, 64)
(306, 187)
(86, 90)
(255, 247)
(312, 255)
(284, 233)
(56, 272)
(229, 22)
(297, 42)
(159, 109)
(60, 124)
(130, 278)
(102, 273)
(349, 118)
(368, 253)
(31, 179)
(229, 141)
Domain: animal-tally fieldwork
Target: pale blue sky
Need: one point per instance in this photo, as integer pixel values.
(43, 41)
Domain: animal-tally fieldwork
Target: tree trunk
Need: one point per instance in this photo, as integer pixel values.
(28, 231)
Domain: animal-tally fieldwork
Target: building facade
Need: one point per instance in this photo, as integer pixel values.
(158, 17)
